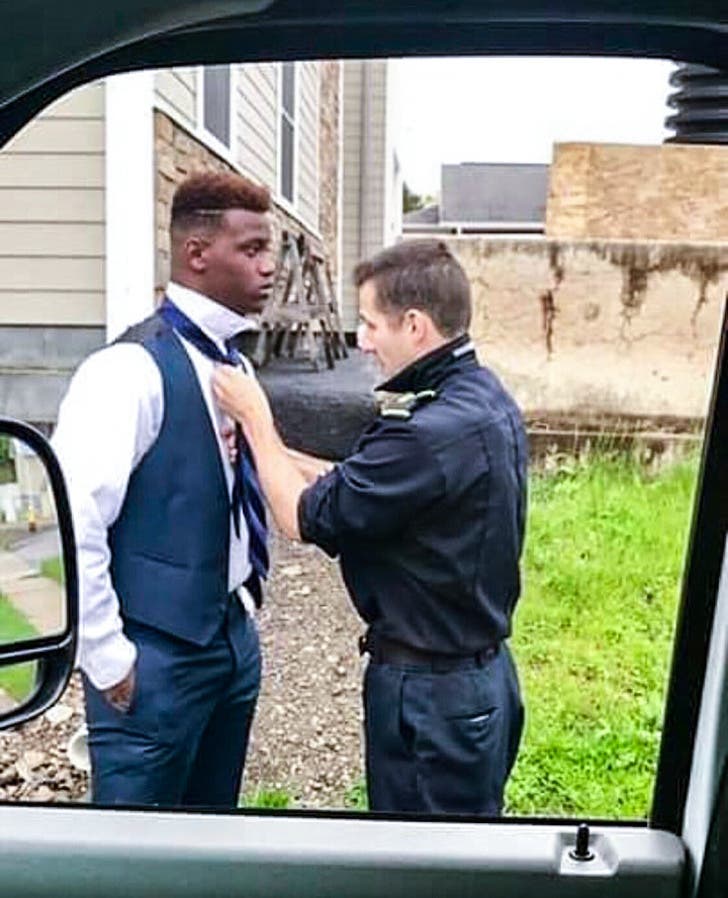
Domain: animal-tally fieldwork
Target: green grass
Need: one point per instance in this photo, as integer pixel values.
(17, 679)
(268, 798)
(356, 797)
(593, 633)
(592, 636)
(52, 568)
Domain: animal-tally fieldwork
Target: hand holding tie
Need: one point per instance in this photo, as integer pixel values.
(241, 397)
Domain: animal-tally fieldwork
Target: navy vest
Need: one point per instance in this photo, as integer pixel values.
(170, 543)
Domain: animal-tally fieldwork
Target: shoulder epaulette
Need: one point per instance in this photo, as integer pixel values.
(401, 405)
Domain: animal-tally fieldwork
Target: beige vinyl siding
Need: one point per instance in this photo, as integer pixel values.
(178, 89)
(256, 111)
(28, 238)
(364, 180)
(256, 125)
(374, 143)
(307, 116)
(351, 200)
(31, 169)
(52, 215)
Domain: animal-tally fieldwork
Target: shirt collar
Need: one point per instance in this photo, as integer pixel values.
(216, 320)
(430, 370)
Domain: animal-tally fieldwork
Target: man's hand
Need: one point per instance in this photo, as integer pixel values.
(242, 397)
(120, 696)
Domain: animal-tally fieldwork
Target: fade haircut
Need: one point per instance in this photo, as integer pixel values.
(420, 274)
(201, 200)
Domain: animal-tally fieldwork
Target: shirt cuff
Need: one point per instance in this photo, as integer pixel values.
(109, 662)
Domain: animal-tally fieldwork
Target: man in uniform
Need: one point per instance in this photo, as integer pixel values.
(427, 517)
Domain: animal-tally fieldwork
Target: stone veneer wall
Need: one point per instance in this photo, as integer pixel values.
(329, 159)
(601, 328)
(621, 192)
(178, 154)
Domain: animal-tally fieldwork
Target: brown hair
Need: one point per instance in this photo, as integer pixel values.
(201, 199)
(420, 274)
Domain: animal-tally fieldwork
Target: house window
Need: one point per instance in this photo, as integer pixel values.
(288, 128)
(216, 101)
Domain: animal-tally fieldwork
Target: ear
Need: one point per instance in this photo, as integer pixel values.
(418, 325)
(195, 253)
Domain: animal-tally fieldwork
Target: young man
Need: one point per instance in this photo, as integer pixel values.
(427, 517)
(171, 534)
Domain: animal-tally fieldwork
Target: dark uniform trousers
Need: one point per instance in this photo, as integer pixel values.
(184, 739)
(441, 738)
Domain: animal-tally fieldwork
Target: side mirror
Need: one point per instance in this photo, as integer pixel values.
(38, 579)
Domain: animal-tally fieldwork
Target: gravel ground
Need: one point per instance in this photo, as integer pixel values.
(306, 739)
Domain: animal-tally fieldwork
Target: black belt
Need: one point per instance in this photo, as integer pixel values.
(390, 651)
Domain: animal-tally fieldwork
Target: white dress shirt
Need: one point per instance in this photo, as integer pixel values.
(109, 418)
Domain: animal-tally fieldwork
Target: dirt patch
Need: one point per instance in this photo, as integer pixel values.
(306, 739)
(307, 735)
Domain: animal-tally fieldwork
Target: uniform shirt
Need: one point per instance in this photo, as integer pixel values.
(110, 417)
(427, 515)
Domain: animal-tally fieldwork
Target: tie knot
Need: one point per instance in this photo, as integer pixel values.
(233, 355)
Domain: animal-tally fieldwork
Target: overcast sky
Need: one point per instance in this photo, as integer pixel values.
(513, 110)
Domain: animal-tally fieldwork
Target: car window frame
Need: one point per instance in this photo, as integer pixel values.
(688, 38)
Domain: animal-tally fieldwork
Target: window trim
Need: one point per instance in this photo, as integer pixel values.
(228, 153)
(704, 554)
(162, 105)
(696, 576)
(290, 205)
(317, 137)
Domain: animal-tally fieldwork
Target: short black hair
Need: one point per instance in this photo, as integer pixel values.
(420, 274)
(202, 198)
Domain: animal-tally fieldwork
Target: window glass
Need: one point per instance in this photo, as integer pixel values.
(597, 260)
(288, 124)
(288, 88)
(217, 101)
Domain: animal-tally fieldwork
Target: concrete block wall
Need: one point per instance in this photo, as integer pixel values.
(669, 192)
(594, 329)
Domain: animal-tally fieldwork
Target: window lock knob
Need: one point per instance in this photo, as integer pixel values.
(581, 851)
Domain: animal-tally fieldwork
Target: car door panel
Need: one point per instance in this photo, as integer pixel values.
(146, 853)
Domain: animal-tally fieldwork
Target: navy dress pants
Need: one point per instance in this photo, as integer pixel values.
(441, 742)
(184, 739)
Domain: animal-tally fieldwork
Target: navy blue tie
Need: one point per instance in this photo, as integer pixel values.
(247, 496)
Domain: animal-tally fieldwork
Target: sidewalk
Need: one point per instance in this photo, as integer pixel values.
(40, 600)
(6, 702)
